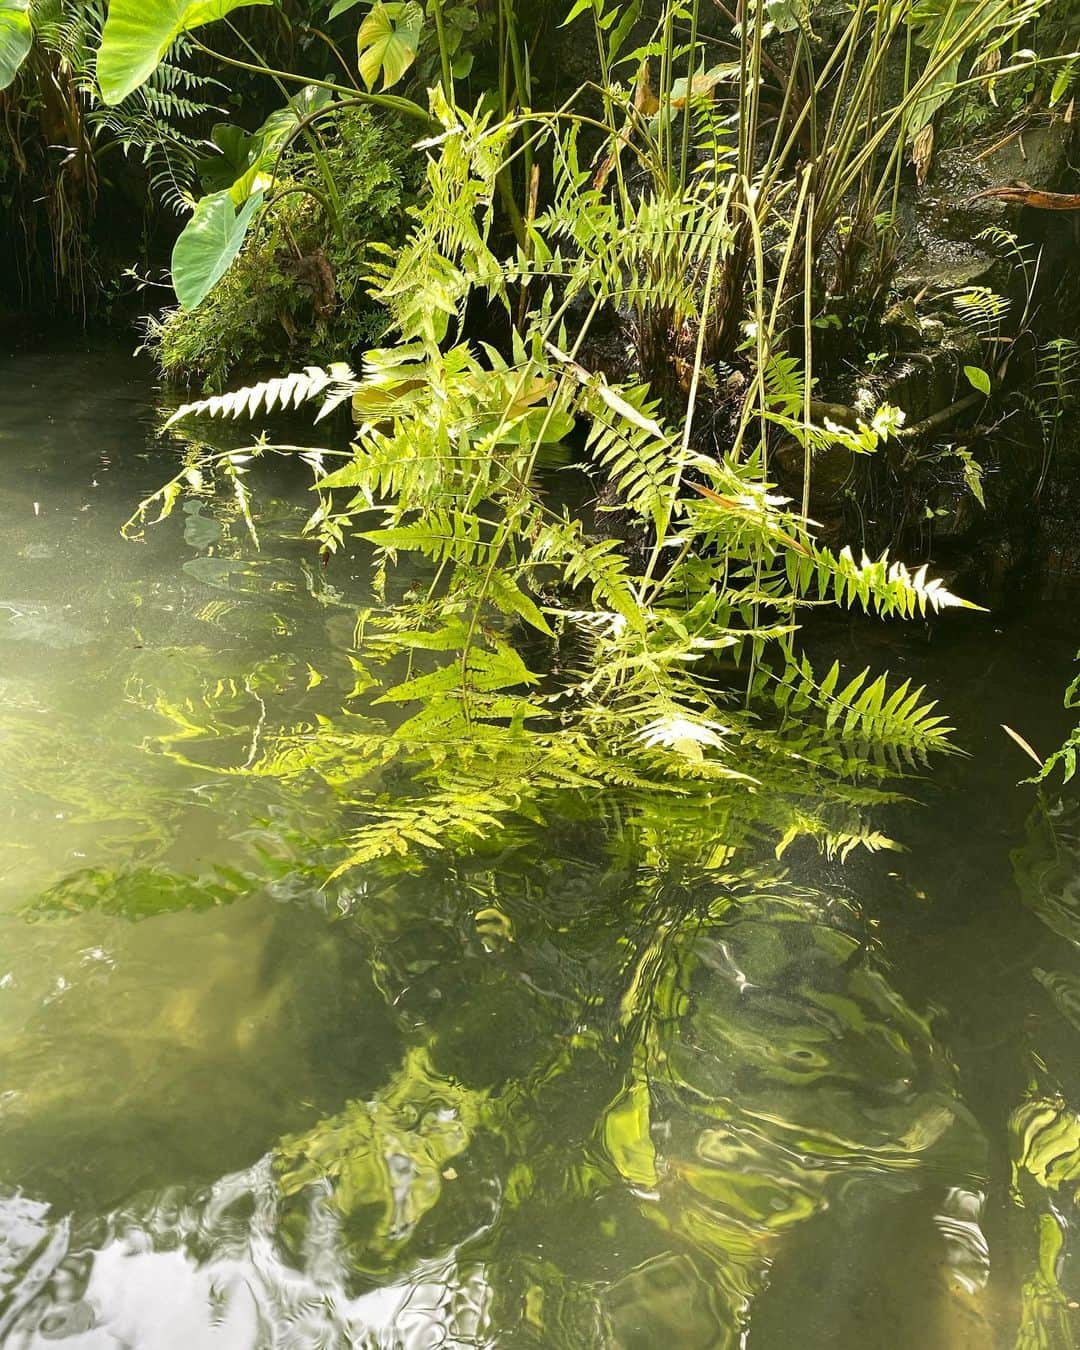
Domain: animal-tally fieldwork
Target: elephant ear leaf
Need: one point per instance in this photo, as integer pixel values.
(387, 41)
(209, 244)
(16, 35)
(138, 33)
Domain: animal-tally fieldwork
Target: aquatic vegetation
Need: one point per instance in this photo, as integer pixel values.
(652, 647)
(658, 644)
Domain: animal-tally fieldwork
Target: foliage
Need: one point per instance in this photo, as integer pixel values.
(16, 38)
(654, 660)
(297, 282)
(653, 649)
(138, 33)
(1065, 756)
(209, 245)
(66, 149)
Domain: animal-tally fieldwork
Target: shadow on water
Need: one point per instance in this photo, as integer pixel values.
(544, 1097)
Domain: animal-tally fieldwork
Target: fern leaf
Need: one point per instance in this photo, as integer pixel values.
(284, 392)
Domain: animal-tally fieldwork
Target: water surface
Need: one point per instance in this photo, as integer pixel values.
(539, 1097)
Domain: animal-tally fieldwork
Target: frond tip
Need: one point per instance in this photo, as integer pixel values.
(878, 585)
(284, 393)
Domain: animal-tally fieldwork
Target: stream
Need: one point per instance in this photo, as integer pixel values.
(542, 1097)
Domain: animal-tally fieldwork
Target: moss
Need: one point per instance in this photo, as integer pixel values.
(296, 294)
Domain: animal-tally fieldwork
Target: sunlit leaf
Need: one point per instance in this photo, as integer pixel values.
(138, 33)
(387, 41)
(978, 379)
(16, 37)
(209, 244)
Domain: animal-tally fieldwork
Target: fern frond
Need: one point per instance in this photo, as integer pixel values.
(876, 585)
(897, 723)
(982, 310)
(284, 392)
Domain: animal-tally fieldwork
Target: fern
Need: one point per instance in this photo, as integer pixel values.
(876, 585)
(282, 393)
(981, 310)
(162, 125)
(898, 724)
(1057, 385)
(535, 659)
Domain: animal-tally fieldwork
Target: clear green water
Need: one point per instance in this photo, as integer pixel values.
(529, 1100)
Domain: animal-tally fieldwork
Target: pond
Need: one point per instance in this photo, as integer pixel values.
(539, 1097)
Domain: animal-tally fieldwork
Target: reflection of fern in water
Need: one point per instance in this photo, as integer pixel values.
(1057, 388)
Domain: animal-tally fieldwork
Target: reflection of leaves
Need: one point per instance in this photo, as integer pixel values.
(768, 1053)
(1044, 1134)
(1047, 872)
(200, 531)
(626, 1134)
(142, 892)
(386, 1158)
(1064, 989)
(1046, 1142)
(1045, 1318)
(217, 572)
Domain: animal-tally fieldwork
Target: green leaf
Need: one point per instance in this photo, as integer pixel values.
(16, 36)
(628, 16)
(387, 41)
(209, 244)
(978, 379)
(138, 33)
(579, 7)
(1063, 82)
(246, 163)
(341, 7)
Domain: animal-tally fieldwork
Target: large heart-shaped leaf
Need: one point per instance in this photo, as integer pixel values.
(235, 154)
(246, 162)
(209, 244)
(16, 35)
(387, 41)
(138, 33)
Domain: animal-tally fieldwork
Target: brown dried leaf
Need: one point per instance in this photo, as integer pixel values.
(922, 152)
(645, 101)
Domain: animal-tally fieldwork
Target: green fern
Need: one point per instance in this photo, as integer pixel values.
(535, 660)
(334, 386)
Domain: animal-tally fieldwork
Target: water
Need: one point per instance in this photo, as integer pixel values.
(539, 1098)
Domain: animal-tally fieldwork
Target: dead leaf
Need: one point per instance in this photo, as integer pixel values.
(922, 152)
(1015, 735)
(645, 101)
(1023, 195)
(987, 63)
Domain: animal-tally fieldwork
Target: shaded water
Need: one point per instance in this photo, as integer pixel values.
(534, 1099)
